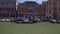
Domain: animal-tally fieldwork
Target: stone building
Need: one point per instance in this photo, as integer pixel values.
(7, 8)
(52, 9)
(30, 9)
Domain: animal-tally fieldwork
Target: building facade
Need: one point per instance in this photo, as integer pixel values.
(7, 8)
(46, 12)
(30, 9)
(52, 9)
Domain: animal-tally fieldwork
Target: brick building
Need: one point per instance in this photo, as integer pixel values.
(44, 4)
(7, 8)
(30, 9)
(52, 9)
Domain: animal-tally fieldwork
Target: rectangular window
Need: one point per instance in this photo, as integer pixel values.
(49, 3)
(49, 12)
(46, 7)
(54, 3)
(0, 8)
(54, 7)
(0, 3)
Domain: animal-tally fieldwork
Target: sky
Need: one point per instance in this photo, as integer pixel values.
(38, 1)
